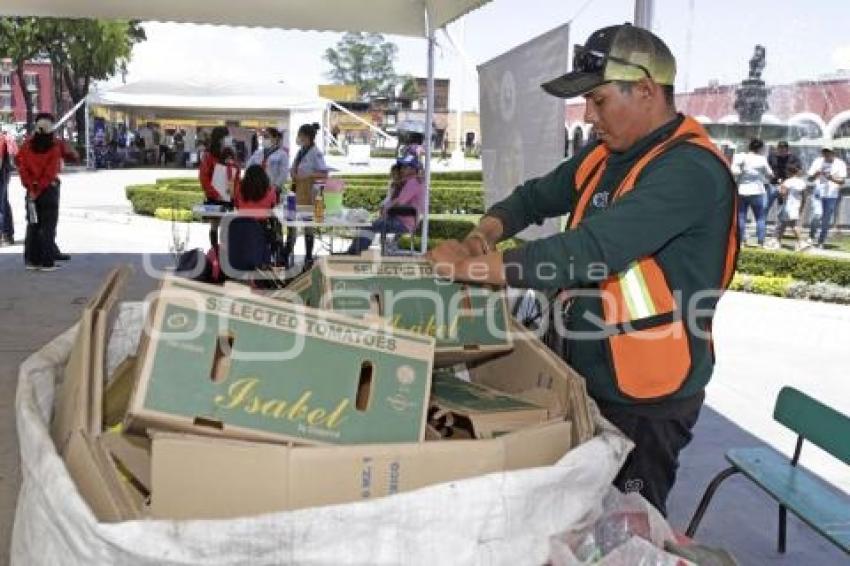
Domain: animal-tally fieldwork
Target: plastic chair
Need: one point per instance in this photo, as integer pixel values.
(400, 211)
(246, 247)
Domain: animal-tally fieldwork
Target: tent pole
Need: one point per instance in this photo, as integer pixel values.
(429, 121)
(644, 12)
(89, 164)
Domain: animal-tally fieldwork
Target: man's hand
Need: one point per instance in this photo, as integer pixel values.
(446, 256)
(453, 259)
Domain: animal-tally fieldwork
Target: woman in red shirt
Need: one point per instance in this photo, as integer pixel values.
(219, 188)
(255, 195)
(39, 162)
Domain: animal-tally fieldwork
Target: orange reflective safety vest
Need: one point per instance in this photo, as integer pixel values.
(649, 345)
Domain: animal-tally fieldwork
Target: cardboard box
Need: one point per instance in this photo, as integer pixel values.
(195, 477)
(469, 322)
(534, 373)
(245, 366)
(484, 411)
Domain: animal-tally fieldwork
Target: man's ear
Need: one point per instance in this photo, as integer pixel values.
(646, 88)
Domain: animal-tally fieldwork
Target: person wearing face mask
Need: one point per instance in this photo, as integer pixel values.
(217, 175)
(307, 168)
(651, 244)
(39, 162)
(274, 159)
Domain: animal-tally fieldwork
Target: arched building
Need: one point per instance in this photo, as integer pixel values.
(822, 107)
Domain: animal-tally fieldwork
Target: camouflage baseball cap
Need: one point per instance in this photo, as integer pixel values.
(616, 53)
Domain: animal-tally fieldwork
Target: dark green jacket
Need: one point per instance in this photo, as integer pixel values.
(680, 211)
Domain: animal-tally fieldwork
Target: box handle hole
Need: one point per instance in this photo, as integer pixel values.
(221, 358)
(364, 386)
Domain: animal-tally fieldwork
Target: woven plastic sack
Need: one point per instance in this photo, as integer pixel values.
(501, 518)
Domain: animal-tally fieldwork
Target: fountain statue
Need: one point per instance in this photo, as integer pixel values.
(751, 97)
(750, 105)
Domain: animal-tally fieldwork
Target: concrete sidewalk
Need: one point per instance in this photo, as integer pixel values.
(762, 344)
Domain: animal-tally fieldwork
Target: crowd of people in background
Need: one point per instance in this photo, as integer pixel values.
(781, 178)
(255, 171)
(270, 174)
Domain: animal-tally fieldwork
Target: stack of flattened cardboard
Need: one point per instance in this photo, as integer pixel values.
(77, 422)
(478, 411)
(238, 404)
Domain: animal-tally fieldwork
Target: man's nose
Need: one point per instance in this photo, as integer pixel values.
(589, 113)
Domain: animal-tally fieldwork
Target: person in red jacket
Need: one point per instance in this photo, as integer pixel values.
(7, 224)
(39, 162)
(218, 177)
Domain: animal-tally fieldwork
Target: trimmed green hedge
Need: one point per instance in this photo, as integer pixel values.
(443, 201)
(435, 176)
(761, 284)
(146, 200)
(808, 268)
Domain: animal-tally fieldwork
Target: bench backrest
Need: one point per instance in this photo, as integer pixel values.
(814, 421)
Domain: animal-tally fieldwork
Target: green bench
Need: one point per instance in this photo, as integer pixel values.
(823, 507)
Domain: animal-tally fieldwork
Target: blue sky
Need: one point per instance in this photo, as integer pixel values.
(804, 40)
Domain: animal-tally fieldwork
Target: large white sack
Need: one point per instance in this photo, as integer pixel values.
(502, 518)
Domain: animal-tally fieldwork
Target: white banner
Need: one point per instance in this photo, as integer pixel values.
(522, 127)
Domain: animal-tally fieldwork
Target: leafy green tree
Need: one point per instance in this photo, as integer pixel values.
(83, 51)
(18, 42)
(366, 60)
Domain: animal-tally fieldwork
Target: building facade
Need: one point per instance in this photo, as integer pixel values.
(38, 80)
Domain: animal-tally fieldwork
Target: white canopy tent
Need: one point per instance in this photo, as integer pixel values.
(417, 18)
(214, 100)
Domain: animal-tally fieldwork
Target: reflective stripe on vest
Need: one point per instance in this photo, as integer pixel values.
(649, 346)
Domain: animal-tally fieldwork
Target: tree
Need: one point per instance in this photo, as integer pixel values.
(365, 60)
(83, 51)
(18, 43)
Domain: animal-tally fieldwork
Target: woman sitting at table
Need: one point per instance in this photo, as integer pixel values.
(255, 195)
(254, 234)
(307, 168)
(408, 191)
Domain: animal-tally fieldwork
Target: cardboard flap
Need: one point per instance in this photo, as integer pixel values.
(116, 398)
(99, 481)
(195, 477)
(198, 477)
(78, 398)
(537, 446)
(133, 452)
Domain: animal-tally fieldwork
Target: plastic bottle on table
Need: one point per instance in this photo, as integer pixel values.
(319, 206)
(291, 205)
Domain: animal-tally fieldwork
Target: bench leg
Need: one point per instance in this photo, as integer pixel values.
(706, 499)
(783, 523)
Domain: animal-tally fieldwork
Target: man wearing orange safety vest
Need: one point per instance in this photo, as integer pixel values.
(651, 243)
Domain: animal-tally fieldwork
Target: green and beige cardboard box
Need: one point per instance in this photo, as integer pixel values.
(155, 470)
(233, 364)
(469, 322)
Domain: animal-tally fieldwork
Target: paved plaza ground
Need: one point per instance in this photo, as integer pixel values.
(762, 344)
